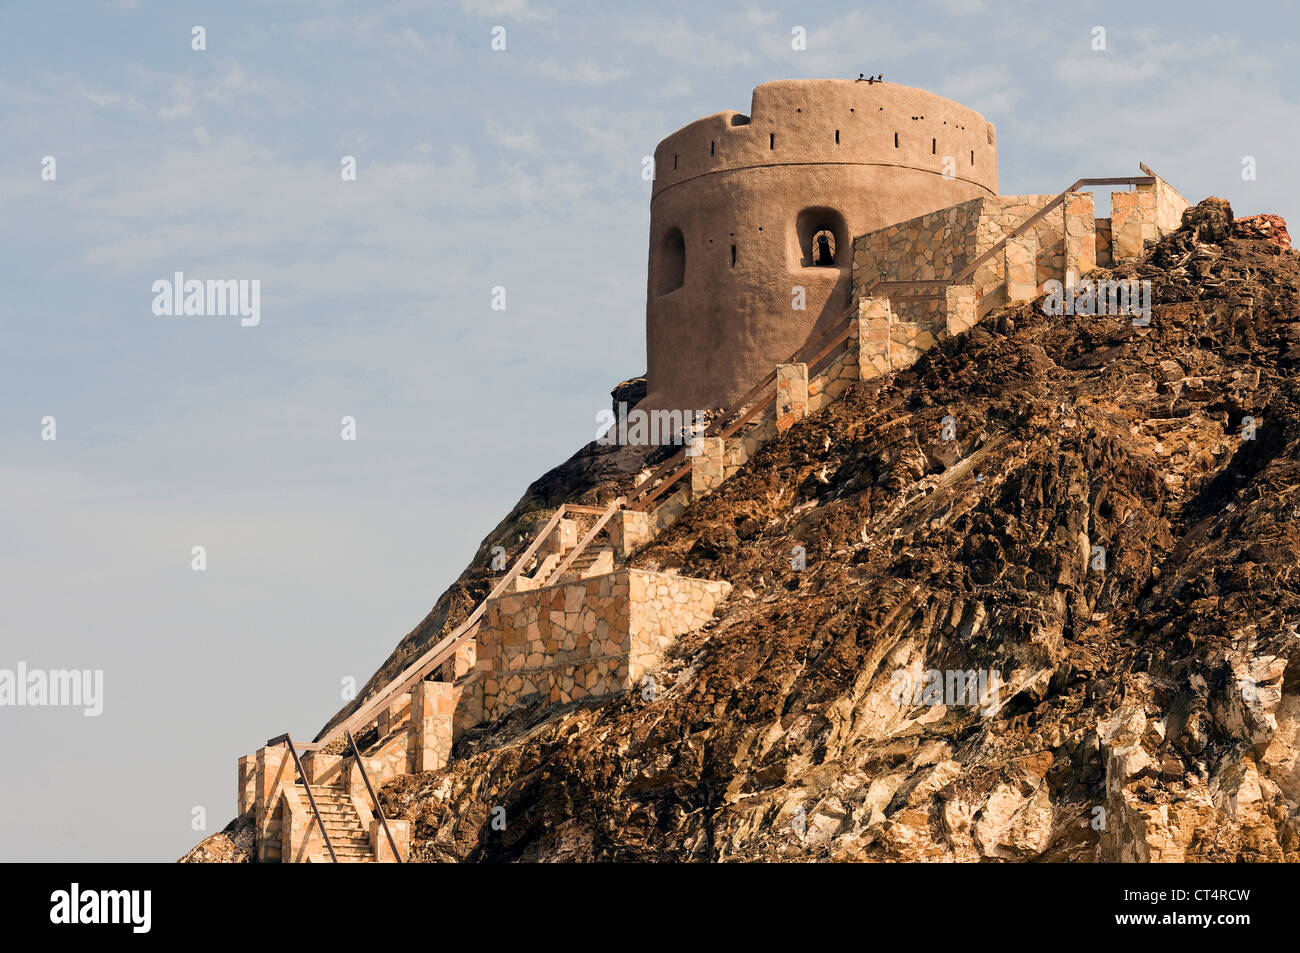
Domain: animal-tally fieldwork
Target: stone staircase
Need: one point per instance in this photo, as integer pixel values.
(294, 803)
(567, 559)
(566, 623)
(589, 562)
(350, 840)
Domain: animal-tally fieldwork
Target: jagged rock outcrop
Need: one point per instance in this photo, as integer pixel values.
(234, 844)
(1110, 535)
(1270, 227)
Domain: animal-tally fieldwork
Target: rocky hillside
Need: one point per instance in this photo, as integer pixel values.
(1098, 517)
(1107, 537)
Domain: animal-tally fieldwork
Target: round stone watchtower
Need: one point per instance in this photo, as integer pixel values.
(753, 216)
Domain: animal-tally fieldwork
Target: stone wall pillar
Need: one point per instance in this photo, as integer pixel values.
(432, 708)
(301, 841)
(401, 831)
(629, 530)
(1021, 268)
(707, 465)
(356, 784)
(1080, 236)
(1132, 222)
(275, 771)
(563, 537)
(791, 395)
(959, 309)
(873, 319)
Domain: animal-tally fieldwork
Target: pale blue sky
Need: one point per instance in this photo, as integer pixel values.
(476, 168)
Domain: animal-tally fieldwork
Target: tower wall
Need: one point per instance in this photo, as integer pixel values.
(736, 202)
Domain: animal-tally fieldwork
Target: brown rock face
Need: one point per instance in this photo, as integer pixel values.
(1269, 227)
(234, 845)
(1105, 549)
(1112, 532)
(1210, 221)
(630, 392)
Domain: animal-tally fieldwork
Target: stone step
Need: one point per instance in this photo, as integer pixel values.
(349, 839)
(351, 828)
(360, 842)
(340, 817)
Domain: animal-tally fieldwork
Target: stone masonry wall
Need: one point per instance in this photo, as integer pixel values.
(999, 217)
(590, 638)
(942, 243)
(925, 248)
(1169, 207)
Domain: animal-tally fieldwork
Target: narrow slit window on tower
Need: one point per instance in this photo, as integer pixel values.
(837, 137)
(712, 146)
(733, 256)
(895, 140)
(972, 157)
(934, 146)
(771, 140)
(674, 161)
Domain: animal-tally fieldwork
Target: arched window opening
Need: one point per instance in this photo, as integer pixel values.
(822, 238)
(670, 272)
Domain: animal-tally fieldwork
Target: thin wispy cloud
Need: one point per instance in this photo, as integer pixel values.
(586, 72)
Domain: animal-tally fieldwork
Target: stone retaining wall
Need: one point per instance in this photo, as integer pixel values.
(596, 637)
(942, 243)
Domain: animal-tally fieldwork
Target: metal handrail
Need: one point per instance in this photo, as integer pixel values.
(373, 797)
(311, 799)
